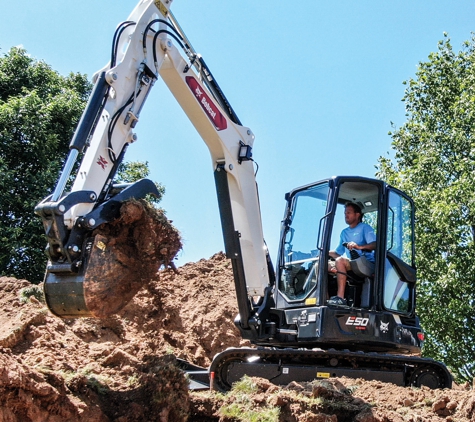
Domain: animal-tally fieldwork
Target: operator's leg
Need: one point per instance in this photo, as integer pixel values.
(342, 266)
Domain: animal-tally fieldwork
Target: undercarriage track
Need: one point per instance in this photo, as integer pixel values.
(281, 366)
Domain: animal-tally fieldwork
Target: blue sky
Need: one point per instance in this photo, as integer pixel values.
(318, 82)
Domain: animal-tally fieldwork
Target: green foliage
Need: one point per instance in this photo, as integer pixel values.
(243, 408)
(38, 112)
(135, 170)
(34, 291)
(245, 385)
(434, 162)
(238, 412)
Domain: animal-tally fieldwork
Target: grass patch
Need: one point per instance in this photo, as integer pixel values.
(241, 413)
(245, 386)
(98, 383)
(133, 381)
(84, 377)
(34, 291)
(241, 406)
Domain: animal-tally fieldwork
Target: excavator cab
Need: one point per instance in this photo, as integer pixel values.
(376, 298)
(376, 335)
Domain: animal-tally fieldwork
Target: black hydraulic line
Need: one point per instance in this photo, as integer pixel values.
(107, 186)
(147, 28)
(91, 114)
(175, 35)
(213, 84)
(155, 40)
(208, 76)
(115, 42)
(114, 120)
(232, 245)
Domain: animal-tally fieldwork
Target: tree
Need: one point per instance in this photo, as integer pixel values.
(39, 110)
(135, 170)
(434, 162)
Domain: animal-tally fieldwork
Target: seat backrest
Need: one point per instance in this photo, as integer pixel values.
(361, 267)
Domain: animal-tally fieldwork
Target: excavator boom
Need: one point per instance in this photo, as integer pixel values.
(148, 46)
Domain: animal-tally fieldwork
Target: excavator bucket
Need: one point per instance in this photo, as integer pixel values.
(118, 259)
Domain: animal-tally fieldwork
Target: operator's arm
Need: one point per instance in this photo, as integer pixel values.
(367, 247)
(369, 242)
(340, 249)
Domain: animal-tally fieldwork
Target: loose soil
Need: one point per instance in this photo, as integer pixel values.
(122, 368)
(125, 255)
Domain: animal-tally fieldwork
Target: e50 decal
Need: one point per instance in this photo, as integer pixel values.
(359, 323)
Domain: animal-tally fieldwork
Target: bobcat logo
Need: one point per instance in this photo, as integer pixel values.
(384, 327)
(102, 162)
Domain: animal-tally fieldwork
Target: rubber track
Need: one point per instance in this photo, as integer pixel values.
(372, 360)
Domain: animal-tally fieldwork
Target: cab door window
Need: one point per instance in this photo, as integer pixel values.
(398, 291)
(301, 254)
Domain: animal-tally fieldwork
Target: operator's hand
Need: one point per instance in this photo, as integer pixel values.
(352, 245)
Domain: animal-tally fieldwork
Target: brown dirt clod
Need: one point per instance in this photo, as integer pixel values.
(126, 254)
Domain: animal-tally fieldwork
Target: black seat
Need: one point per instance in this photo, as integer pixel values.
(358, 290)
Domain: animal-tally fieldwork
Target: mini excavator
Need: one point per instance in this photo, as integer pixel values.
(283, 311)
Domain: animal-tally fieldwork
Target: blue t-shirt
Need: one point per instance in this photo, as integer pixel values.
(362, 234)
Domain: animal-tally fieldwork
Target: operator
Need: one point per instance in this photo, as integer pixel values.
(360, 237)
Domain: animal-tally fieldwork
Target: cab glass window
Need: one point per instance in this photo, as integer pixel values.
(400, 235)
(300, 253)
(398, 294)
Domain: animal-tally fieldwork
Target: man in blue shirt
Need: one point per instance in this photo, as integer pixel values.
(360, 237)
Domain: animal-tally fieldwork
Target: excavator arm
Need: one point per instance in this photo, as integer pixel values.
(150, 45)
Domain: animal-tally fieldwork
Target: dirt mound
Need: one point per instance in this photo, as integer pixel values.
(334, 400)
(118, 368)
(121, 368)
